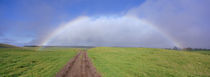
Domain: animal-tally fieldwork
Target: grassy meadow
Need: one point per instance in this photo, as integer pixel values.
(109, 61)
(149, 62)
(29, 62)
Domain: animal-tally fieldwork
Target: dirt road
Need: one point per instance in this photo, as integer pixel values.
(79, 66)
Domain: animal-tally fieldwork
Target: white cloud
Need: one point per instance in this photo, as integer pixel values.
(186, 21)
(110, 31)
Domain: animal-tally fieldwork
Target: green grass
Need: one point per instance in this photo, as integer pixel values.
(202, 52)
(26, 62)
(148, 62)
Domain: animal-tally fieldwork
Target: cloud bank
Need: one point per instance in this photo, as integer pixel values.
(185, 22)
(122, 31)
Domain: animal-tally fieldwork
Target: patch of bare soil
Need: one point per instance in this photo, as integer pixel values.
(79, 66)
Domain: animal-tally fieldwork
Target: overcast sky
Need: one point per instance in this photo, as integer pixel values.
(127, 23)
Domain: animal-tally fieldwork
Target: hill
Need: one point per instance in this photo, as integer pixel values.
(7, 46)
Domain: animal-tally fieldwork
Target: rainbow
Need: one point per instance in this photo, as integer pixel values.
(58, 31)
(165, 34)
(63, 27)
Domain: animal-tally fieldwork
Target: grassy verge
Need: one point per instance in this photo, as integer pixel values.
(20, 62)
(202, 52)
(148, 62)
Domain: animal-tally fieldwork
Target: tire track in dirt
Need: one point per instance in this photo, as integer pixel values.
(79, 66)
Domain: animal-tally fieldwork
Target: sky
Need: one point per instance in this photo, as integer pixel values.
(125, 23)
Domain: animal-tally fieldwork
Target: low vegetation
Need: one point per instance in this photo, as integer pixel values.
(26, 62)
(7, 46)
(149, 62)
(109, 61)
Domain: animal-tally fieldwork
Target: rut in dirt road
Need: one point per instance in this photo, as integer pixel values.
(79, 66)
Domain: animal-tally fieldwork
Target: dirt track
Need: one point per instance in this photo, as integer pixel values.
(79, 66)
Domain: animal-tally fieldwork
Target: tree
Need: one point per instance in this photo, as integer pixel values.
(188, 49)
(175, 48)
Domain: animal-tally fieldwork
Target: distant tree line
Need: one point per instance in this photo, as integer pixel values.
(31, 46)
(196, 49)
(62, 46)
(189, 49)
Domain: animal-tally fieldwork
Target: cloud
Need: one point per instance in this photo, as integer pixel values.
(9, 41)
(31, 20)
(183, 21)
(110, 31)
(186, 21)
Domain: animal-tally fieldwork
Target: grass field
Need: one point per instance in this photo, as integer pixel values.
(109, 61)
(19, 62)
(203, 52)
(148, 62)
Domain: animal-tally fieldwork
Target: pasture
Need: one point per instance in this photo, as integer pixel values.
(149, 62)
(109, 62)
(28, 62)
